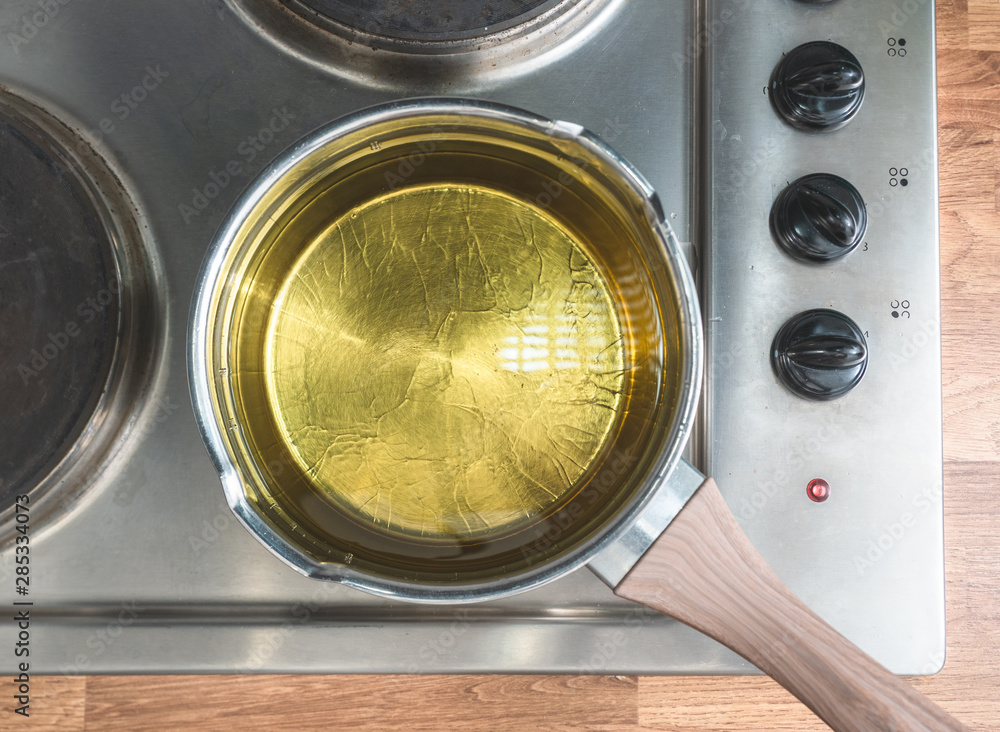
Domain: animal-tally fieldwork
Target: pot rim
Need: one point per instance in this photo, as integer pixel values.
(212, 269)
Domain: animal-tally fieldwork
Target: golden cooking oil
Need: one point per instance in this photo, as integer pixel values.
(444, 352)
(445, 361)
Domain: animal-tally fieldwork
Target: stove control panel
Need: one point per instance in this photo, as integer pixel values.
(820, 282)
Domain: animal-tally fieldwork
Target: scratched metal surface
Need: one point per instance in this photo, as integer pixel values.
(187, 101)
(150, 571)
(395, 359)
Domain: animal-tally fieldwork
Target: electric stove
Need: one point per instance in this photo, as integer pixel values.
(793, 145)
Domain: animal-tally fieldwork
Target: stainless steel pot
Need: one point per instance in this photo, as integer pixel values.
(388, 144)
(297, 290)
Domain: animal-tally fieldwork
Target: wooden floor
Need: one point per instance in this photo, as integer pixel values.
(969, 76)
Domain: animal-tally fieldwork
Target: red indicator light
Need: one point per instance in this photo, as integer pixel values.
(818, 490)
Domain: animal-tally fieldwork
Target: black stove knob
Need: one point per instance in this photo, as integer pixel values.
(818, 86)
(819, 218)
(820, 354)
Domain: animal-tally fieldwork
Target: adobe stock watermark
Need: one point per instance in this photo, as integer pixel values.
(42, 356)
(553, 189)
(430, 653)
(409, 164)
(32, 23)
(894, 531)
(134, 477)
(213, 528)
(124, 106)
(605, 482)
(246, 152)
(443, 644)
(709, 34)
(100, 640)
(608, 648)
(742, 177)
(901, 14)
(267, 644)
(927, 333)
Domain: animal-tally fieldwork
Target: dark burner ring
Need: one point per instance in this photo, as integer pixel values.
(59, 309)
(77, 314)
(430, 20)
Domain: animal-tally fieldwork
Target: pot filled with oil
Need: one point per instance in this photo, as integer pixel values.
(444, 349)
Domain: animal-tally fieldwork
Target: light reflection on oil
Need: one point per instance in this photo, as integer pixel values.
(445, 360)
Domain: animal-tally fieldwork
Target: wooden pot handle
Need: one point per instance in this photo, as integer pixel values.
(704, 572)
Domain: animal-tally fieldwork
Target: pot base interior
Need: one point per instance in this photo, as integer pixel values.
(445, 361)
(446, 356)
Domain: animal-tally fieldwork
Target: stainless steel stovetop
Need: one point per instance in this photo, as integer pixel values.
(138, 565)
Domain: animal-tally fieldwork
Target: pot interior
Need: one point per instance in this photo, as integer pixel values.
(447, 347)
